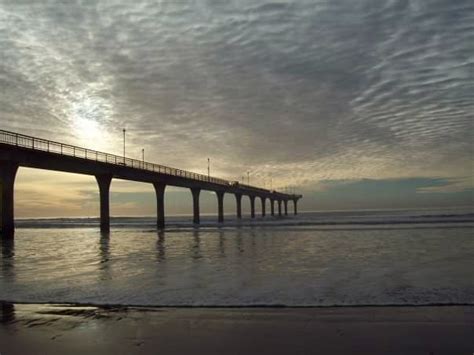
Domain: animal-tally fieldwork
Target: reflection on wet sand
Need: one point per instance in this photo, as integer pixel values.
(230, 266)
(238, 240)
(8, 259)
(104, 256)
(221, 243)
(104, 247)
(161, 247)
(196, 249)
(7, 312)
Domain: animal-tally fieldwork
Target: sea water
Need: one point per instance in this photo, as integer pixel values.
(313, 259)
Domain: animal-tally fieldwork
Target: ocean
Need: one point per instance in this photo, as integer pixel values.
(396, 257)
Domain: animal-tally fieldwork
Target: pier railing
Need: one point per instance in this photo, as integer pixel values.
(29, 142)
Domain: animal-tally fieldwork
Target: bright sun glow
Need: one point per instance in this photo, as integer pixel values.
(85, 113)
(87, 129)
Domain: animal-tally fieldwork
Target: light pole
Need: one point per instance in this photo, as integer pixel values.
(208, 169)
(143, 157)
(124, 130)
(248, 177)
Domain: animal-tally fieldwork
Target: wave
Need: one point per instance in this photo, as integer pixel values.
(462, 215)
(250, 305)
(358, 219)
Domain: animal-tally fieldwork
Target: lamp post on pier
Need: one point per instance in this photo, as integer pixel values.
(124, 130)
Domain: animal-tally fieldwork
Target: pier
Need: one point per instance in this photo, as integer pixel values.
(18, 150)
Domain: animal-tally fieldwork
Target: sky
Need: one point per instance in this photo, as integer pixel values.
(355, 104)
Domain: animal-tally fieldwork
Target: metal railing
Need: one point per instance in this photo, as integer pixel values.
(24, 141)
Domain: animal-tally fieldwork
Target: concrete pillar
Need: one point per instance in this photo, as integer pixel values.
(8, 172)
(7, 312)
(285, 204)
(238, 199)
(160, 204)
(295, 205)
(272, 207)
(220, 206)
(196, 191)
(252, 206)
(104, 187)
(279, 207)
(263, 199)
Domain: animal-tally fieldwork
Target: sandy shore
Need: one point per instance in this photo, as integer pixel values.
(64, 329)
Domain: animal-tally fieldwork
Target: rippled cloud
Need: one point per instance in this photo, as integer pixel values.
(298, 91)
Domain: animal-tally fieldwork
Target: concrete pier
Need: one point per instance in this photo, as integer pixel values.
(220, 206)
(160, 204)
(19, 150)
(104, 187)
(196, 192)
(295, 205)
(8, 172)
(285, 204)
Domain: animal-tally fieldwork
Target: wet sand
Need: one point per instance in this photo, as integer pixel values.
(65, 329)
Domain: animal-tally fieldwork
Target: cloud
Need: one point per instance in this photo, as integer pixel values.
(296, 91)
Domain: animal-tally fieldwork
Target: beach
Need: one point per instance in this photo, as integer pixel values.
(61, 329)
(236, 177)
(313, 259)
(334, 283)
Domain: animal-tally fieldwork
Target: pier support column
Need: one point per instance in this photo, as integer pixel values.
(220, 206)
(238, 200)
(272, 207)
(252, 206)
(160, 204)
(263, 199)
(295, 205)
(104, 187)
(196, 192)
(8, 172)
(279, 207)
(285, 204)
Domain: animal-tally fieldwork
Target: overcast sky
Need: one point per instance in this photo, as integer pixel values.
(356, 104)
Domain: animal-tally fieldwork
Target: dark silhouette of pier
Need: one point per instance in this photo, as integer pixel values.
(18, 150)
